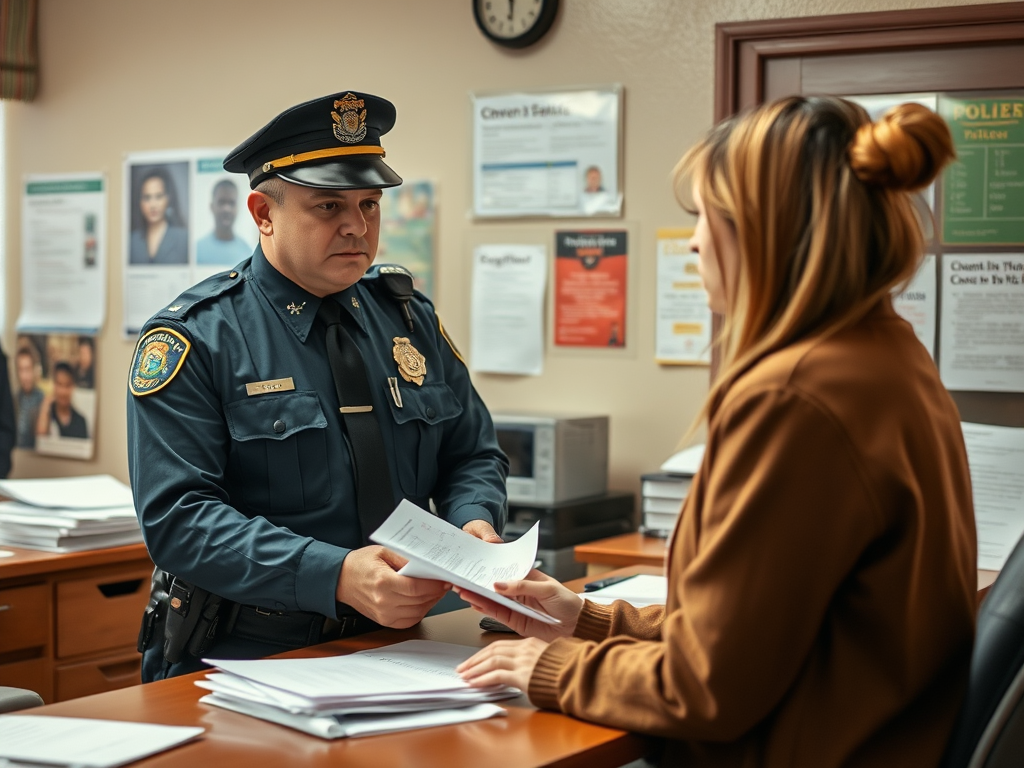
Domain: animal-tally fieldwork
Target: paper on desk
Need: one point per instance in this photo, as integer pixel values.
(637, 591)
(438, 550)
(353, 726)
(995, 456)
(84, 742)
(409, 669)
(90, 492)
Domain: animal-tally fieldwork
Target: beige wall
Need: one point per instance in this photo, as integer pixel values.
(131, 75)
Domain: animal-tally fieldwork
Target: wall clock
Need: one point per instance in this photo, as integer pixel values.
(514, 23)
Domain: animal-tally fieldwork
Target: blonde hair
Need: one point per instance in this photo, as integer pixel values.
(818, 198)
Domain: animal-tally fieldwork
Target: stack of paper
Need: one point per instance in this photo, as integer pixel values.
(399, 687)
(68, 514)
(664, 492)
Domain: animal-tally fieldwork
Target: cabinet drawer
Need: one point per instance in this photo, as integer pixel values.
(106, 674)
(24, 617)
(101, 612)
(33, 674)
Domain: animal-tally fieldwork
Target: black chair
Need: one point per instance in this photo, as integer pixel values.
(989, 731)
(13, 699)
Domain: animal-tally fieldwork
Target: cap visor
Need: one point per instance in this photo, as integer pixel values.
(361, 173)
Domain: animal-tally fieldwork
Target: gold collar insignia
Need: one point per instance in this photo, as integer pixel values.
(411, 364)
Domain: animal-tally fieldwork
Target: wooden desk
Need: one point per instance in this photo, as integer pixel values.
(68, 623)
(527, 737)
(637, 549)
(619, 551)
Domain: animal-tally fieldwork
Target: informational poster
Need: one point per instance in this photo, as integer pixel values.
(224, 232)
(981, 336)
(683, 318)
(185, 219)
(508, 309)
(63, 253)
(407, 231)
(590, 288)
(983, 198)
(547, 153)
(996, 455)
(917, 303)
(55, 393)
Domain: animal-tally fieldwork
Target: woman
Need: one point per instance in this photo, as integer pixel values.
(822, 577)
(161, 238)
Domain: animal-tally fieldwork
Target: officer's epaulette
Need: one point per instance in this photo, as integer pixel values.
(210, 288)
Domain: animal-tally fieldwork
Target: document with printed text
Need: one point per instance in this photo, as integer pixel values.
(438, 550)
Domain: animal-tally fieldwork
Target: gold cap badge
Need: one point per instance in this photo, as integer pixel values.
(411, 364)
(349, 119)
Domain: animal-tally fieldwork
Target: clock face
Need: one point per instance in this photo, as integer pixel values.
(514, 23)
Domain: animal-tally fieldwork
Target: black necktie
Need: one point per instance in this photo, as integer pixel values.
(374, 497)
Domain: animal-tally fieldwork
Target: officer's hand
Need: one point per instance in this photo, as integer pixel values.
(482, 531)
(369, 583)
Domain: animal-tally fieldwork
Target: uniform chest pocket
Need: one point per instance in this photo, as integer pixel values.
(419, 428)
(278, 452)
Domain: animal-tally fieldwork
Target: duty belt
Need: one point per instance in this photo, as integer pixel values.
(293, 629)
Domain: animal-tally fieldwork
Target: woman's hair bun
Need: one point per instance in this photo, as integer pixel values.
(905, 149)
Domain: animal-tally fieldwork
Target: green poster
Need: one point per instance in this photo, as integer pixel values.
(983, 190)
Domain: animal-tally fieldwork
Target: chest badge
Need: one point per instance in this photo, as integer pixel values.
(411, 364)
(295, 309)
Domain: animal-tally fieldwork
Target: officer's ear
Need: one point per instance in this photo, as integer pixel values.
(260, 205)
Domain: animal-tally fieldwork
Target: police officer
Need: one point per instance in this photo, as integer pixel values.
(279, 411)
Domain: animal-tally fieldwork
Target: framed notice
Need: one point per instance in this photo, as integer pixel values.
(554, 153)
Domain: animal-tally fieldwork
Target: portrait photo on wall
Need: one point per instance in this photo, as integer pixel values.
(407, 224)
(55, 393)
(158, 214)
(224, 232)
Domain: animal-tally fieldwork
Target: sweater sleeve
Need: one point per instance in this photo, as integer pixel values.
(777, 532)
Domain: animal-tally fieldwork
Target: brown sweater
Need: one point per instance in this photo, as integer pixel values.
(822, 577)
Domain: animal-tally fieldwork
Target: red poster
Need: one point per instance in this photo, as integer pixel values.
(590, 289)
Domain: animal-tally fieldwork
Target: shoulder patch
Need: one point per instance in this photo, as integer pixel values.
(444, 334)
(158, 358)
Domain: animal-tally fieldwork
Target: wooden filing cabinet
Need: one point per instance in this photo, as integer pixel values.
(68, 623)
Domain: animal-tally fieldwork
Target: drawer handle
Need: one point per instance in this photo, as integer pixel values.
(118, 588)
(121, 669)
(6, 607)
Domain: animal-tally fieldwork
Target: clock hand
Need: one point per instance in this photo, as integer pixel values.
(511, 6)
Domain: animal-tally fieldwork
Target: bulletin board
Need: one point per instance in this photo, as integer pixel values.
(966, 58)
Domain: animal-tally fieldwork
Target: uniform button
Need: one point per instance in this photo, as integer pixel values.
(279, 426)
(431, 413)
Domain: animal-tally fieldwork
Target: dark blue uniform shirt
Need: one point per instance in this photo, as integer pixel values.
(253, 497)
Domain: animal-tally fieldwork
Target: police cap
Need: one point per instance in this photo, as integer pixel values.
(332, 142)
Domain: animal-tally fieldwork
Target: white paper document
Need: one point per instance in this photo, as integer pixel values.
(996, 455)
(508, 309)
(85, 743)
(91, 492)
(917, 303)
(63, 252)
(683, 330)
(438, 550)
(639, 591)
(982, 322)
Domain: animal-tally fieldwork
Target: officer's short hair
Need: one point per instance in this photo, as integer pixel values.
(273, 188)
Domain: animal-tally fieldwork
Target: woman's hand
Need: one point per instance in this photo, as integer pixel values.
(505, 662)
(538, 591)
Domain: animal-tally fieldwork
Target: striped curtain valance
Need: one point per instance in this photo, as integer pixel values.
(19, 59)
